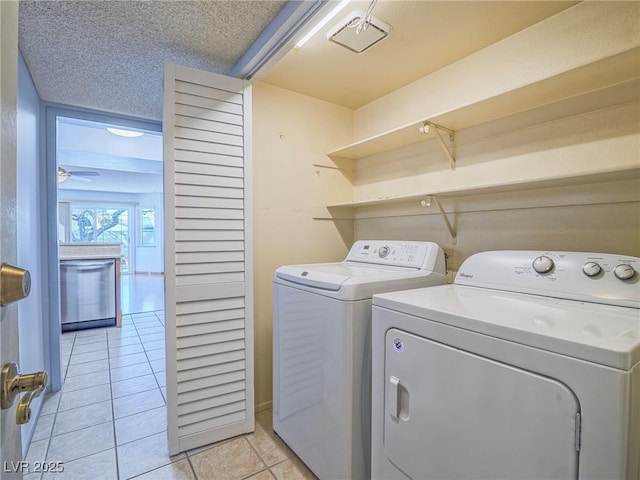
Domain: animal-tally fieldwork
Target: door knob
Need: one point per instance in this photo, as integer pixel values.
(14, 383)
(15, 284)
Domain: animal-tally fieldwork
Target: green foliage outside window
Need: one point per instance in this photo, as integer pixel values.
(102, 225)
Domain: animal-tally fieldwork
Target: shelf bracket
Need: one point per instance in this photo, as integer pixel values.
(445, 148)
(452, 231)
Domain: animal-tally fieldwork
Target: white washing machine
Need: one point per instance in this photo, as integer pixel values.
(322, 349)
(527, 367)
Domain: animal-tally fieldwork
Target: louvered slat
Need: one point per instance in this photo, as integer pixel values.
(200, 191)
(206, 169)
(191, 235)
(208, 180)
(217, 369)
(212, 392)
(209, 92)
(208, 103)
(210, 137)
(207, 158)
(208, 224)
(188, 365)
(218, 317)
(210, 246)
(208, 147)
(206, 124)
(217, 423)
(208, 326)
(206, 268)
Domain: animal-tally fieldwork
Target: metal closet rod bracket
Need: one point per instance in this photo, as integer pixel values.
(427, 203)
(439, 129)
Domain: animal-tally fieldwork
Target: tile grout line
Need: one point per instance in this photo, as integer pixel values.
(149, 360)
(114, 419)
(55, 413)
(267, 467)
(113, 413)
(193, 470)
(51, 434)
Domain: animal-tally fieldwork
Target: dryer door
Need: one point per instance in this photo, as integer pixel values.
(450, 414)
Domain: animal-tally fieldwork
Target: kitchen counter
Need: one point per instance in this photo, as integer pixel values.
(89, 250)
(96, 251)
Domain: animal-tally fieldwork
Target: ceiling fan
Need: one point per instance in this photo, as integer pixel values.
(76, 174)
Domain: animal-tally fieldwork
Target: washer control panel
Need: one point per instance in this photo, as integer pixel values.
(596, 277)
(419, 255)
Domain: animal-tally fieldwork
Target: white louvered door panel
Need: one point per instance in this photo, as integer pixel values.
(208, 257)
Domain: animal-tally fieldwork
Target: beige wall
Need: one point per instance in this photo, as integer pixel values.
(291, 133)
(602, 217)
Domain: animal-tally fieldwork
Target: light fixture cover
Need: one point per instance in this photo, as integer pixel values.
(347, 36)
(125, 133)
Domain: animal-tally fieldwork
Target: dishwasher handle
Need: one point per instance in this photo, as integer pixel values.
(86, 266)
(85, 263)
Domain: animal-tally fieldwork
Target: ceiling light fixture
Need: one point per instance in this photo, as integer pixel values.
(124, 133)
(322, 23)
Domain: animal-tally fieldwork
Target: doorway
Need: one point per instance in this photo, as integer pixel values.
(88, 165)
(109, 179)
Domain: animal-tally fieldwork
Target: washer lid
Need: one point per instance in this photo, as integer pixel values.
(328, 276)
(331, 276)
(603, 334)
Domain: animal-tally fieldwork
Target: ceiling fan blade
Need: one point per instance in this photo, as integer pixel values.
(81, 179)
(80, 173)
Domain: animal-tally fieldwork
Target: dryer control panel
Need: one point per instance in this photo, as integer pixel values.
(593, 277)
(418, 255)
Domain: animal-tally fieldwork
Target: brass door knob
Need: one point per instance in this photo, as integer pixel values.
(13, 384)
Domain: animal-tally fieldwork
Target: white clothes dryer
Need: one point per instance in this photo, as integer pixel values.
(322, 349)
(527, 367)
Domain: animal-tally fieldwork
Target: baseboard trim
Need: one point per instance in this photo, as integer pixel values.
(264, 406)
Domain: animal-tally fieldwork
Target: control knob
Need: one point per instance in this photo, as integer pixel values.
(384, 251)
(591, 269)
(543, 264)
(624, 271)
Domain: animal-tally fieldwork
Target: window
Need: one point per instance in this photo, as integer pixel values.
(147, 227)
(102, 224)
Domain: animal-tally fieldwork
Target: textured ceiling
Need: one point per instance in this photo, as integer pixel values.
(109, 55)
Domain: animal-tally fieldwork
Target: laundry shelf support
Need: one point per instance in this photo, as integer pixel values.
(439, 130)
(427, 203)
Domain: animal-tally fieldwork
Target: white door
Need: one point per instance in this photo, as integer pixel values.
(11, 449)
(208, 257)
(450, 414)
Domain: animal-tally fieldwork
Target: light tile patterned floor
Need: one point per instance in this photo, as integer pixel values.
(109, 420)
(141, 293)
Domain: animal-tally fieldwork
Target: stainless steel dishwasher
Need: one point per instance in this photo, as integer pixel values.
(87, 294)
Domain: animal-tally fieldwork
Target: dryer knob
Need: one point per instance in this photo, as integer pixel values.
(384, 251)
(543, 264)
(591, 269)
(624, 271)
